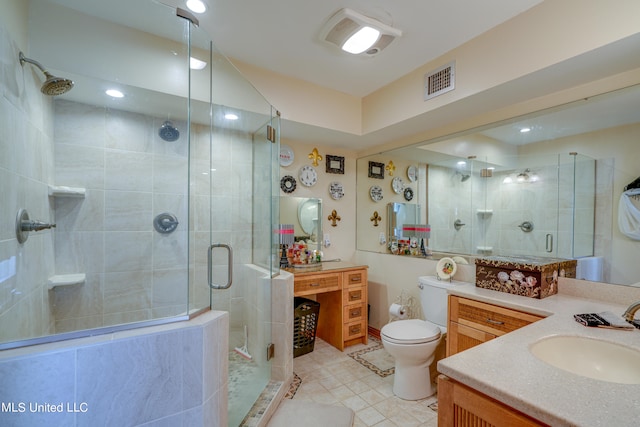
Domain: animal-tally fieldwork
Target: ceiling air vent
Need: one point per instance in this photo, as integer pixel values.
(439, 81)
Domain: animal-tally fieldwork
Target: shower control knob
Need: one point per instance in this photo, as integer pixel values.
(24, 225)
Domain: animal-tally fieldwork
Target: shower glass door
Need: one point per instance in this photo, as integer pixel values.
(232, 177)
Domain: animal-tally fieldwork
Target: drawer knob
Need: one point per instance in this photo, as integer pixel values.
(314, 284)
(355, 313)
(495, 322)
(354, 329)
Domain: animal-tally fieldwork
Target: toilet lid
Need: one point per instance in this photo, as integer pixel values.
(412, 331)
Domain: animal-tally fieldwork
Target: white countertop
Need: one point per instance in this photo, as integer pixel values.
(504, 368)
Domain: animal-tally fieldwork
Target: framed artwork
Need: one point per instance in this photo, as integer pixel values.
(335, 164)
(376, 170)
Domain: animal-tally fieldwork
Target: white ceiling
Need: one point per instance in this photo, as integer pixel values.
(282, 36)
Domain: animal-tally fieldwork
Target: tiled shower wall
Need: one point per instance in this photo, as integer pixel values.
(130, 175)
(26, 168)
(547, 203)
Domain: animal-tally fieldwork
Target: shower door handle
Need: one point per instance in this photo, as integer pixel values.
(549, 242)
(210, 263)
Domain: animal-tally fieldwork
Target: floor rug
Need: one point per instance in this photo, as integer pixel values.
(310, 414)
(376, 359)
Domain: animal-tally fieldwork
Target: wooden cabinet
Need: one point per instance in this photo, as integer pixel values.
(473, 322)
(461, 406)
(342, 294)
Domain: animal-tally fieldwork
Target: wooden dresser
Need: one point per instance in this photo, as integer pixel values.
(341, 290)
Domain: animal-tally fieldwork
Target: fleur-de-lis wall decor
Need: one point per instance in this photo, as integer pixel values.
(375, 218)
(390, 168)
(315, 157)
(334, 217)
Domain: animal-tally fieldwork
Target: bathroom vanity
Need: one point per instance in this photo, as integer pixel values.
(473, 322)
(341, 290)
(502, 382)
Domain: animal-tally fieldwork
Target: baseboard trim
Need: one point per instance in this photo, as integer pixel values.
(374, 332)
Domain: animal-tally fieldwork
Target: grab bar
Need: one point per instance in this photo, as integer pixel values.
(209, 265)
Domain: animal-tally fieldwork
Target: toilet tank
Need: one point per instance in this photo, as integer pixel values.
(433, 298)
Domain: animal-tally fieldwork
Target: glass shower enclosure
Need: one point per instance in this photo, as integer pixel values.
(160, 199)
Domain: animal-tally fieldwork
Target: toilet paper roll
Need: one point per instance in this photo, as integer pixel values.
(398, 311)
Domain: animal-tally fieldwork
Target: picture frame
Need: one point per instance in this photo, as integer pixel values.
(376, 170)
(335, 164)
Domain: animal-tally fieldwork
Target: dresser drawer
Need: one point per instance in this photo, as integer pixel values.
(354, 313)
(488, 317)
(354, 295)
(355, 278)
(354, 330)
(309, 285)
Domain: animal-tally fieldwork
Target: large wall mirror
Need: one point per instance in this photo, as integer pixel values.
(521, 187)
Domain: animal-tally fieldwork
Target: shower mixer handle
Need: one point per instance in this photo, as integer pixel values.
(526, 226)
(458, 224)
(35, 225)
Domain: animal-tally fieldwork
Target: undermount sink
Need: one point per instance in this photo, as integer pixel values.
(588, 357)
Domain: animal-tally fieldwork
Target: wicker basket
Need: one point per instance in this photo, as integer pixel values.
(305, 323)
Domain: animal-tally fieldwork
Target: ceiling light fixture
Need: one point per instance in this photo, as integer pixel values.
(525, 130)
(196, 64)
(115, 93)
(357, 34)
(231, 116)
(196, 6)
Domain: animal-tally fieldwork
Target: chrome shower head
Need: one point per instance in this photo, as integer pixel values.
(53, 86)
(168, 132)
(463, 176)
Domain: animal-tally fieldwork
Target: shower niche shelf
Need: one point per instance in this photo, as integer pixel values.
(484, 212)
(62, 280)
(62, 191)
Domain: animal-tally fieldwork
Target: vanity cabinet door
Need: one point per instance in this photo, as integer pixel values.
(461, 337)
(461, 406)
(473, 322)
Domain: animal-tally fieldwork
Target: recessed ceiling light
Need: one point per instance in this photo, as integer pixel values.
(196, 6)
(525, 130)
(462, 163)
(231, 116)
(115, 93)
(196, 64)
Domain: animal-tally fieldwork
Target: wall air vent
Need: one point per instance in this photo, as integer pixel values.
(439, 81)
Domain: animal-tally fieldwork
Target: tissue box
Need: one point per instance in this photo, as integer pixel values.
(532, 277)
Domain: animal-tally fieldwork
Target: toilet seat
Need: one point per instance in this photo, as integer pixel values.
(413, 331)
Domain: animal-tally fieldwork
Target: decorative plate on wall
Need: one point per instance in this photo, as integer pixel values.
(286, 155)
(397, 184)
(408, 194)
(376, 193)
(336, 190)
(412, 173)
(288, 184)
(308, 175)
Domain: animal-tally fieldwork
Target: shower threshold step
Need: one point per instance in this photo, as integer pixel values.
(60, 280)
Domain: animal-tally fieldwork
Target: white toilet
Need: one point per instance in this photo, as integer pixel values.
(413, 342)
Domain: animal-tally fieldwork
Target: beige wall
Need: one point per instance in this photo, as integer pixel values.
(343, 235)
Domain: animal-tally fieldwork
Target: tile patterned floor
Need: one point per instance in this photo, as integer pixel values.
(327, 375)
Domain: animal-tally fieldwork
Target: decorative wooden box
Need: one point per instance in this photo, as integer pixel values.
(533, 277)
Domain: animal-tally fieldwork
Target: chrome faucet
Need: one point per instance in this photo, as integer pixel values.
(631, 311)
